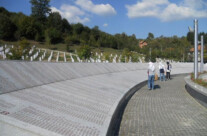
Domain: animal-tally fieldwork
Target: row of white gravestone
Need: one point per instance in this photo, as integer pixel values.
(4, 50)
(34, 56)
(115, 58)
(31, 50)
(43, 56)
(3, 47)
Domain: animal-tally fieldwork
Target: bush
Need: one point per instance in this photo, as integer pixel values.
(21, 50)
(71, 40)
(84, 52)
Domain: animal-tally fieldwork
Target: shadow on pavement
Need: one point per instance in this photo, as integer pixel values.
(157, 87)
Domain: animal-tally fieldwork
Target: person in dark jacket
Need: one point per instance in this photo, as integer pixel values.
(168, 70)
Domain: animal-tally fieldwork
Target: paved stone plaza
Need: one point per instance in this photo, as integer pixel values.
(166, 111)
(64, 99)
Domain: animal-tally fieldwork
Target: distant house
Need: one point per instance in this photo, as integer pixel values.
(142, 44)
(199, 48)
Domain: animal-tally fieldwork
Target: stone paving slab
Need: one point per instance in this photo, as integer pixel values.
(78, 107)
(66, 99)
(166, 111)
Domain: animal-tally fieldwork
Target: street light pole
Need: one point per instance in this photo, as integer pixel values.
(195, 48)
(201, 66)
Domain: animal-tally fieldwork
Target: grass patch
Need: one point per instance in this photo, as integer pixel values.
(200, 81)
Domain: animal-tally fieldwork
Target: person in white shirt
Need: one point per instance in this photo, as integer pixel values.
(151, 76)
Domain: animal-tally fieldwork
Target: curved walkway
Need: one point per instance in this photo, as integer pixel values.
(166, 111)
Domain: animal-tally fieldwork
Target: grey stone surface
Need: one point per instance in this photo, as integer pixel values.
(166, 111)
(65, 98)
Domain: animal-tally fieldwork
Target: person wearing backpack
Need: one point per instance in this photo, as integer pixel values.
(162, 71)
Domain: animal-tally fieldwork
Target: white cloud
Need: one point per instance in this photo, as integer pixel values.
(195, 4)
(71, 13)
(166, 11)
(145, 8)
(76, 14)
(174, 12)
(105, 25)
(99, 9)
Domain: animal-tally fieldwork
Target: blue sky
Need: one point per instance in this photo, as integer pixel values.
(139, 17)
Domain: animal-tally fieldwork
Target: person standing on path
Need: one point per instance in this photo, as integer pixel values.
(162, 71)
(151, 76)
(169, 67)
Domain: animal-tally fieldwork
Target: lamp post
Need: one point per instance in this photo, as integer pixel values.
(201, 65)
(195, 48)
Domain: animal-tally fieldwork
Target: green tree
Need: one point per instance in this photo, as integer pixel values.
(204, 37)
(150, 36)
(190, 37)
(4, 11)
(126, 53)
(27, 27)
(95, 32)
(77, 28)
(7, 28)
(66, 26)
(120, 40)
(40, 9)
(54, 20)
(53, 36)
(70, 41)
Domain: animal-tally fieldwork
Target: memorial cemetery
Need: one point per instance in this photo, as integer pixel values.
(39, 54)
(61, 77)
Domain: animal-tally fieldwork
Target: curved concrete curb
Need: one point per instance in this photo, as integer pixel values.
(197, 91)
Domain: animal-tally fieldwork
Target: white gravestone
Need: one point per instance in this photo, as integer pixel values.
(57, 58)
(64, 57)
(78, 59)
(40, 59)
(50, 57)
(71, 58)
